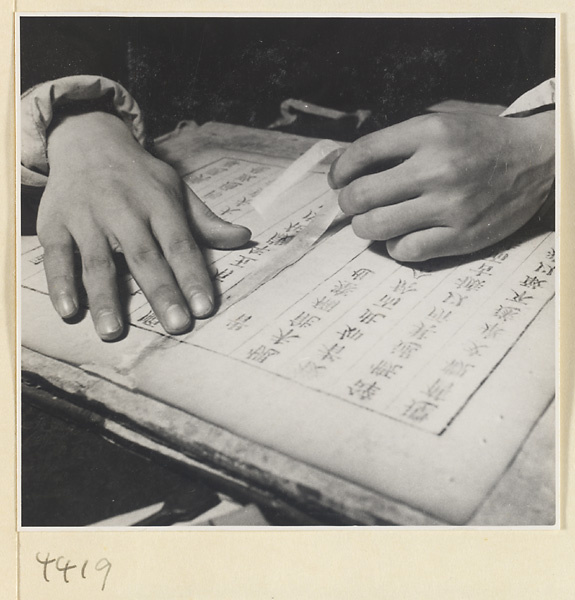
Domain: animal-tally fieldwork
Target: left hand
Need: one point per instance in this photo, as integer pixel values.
(106, 194)
(445, 184)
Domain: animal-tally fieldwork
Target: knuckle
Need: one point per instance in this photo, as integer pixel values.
(182, 247)
(97, 265)
(447, 171)
(145, 255)
(359, 195)
(365, 150)
(437, 125)
(53, 249)
(168, 179)
(50, 234)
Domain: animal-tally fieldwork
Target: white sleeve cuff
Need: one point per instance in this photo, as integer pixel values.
(37, 112)
(539, 97)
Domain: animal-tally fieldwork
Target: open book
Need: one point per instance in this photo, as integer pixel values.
(417, 381)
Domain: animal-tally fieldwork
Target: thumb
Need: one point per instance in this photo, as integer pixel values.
(211, 230)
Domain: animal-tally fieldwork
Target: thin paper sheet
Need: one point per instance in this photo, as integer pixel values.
(419, 382)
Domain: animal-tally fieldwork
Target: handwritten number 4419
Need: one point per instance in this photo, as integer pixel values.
(64, 566)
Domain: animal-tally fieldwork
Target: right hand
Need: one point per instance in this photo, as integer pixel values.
(447, 184)
(106, 194)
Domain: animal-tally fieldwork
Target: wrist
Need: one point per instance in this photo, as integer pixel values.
(89, 137)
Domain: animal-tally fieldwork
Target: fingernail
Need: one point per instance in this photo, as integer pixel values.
(66, 306)
(177, 317)
(201, 304)
(108, 324)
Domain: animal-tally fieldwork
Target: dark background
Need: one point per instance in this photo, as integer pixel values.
(238, 70)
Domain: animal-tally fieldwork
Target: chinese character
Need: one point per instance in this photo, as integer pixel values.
(483, 269)
(280, 239)
(550, 254)
(491, 330)
(259, 169)
(331, 353)
(406, 349)
(214, 171)
(326, 304)
(368, 316)
(243, 177)
(243, 201)
(419, 411)
(38, 259)
(474, 349)
(402, 287)
(438, 390)
(457, 368)
(387, 301)
(308, 216)
(471, 284)
(363, 390)
(455, 299)
(506, 313)
(230, 163)
(213, 195)
(520, 297)
(221, 275)
(532, 282)
(254, 192)
(499, 257)
(361, 273)
(229, 185)
(228, 211)
(439, 315)
(261, 354)
(350, 333)
(293, 229)
(238, 323)
(242, 260)
(343, 288)
(545, 269)
(284, 338)
(304, 319)
(385, 369)
(259, 250)
(311, 370)
(197, 178)
(422, 330)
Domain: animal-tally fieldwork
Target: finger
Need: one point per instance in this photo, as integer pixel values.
(150, 269)
(99, 277)
(211, 230)
(375, 151)
(186, 261)
(394, 185)
(59, 269)
(424, 245)
(399, 219)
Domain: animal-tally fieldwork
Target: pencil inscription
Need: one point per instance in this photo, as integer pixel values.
(64, 569)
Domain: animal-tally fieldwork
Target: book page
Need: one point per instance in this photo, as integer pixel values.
(417, 381)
